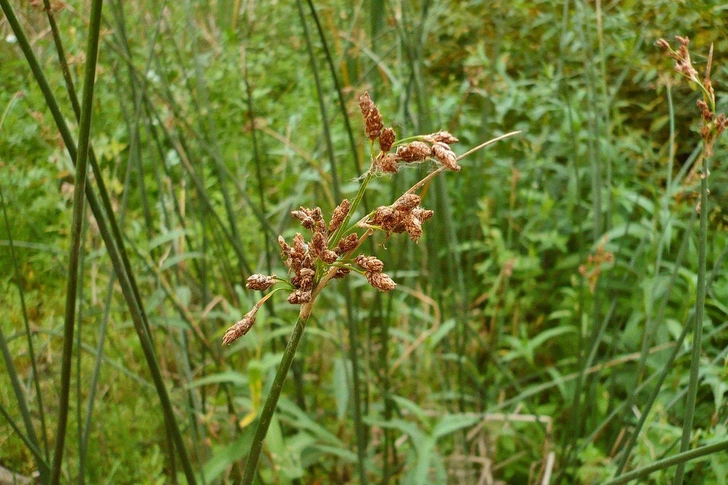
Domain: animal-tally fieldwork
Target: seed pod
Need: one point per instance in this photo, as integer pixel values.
(407, 202)
(380, 281)
(339, 215)
(260, 282)
(240, 328)
(369, 263)
(445, 156)
(386, 139)
(414, 152)
(440, 136)
(387, 163)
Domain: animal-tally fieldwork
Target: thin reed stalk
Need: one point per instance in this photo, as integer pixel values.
(79, 202)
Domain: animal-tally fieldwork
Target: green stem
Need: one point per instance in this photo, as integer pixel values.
(680, 459)
(92, 50)
(699, 311)
(271, 401)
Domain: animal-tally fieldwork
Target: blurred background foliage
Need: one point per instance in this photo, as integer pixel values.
(555, 278)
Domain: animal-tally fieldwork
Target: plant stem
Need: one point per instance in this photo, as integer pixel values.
(680, 459)
(76, 223)
(699, 311)
(271, 401)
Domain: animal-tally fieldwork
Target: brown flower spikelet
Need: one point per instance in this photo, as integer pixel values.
(340, 213)
(304, 216)
(329, 256)
(260, 282)
(440, 136)
(304, 279)
(414, 152)
(386, 139)
(372, 117)
(407, 202)
(445, 156)
(240, 328)
(413, 226)
(380, 281)
(346, 244)
(384, 217)
(422, 214)
(369, 263)
(387, 163)
(318, 244)
(365, 103)
(341, 272)
(298, 297)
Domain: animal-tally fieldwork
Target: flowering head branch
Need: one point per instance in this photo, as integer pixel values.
(329, 252)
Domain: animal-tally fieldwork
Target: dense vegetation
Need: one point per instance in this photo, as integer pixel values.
(542, 330)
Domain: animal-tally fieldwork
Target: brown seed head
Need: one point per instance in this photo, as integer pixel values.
(721, 123)
(422, 214)
(300, 248)
(318, 244)
(240, 328)
(705, 111)
(365, 103)
(413, 226)
(340, 213)
(386, 139)
(445, 156)
(662, 43)
(407, 202)
(442, 137)
(416, 151)
(372, 117)
(329, 256)
(341, 272)
(298, 297)
(285, 247)
(304, 279)
(387, 163)
(385, 217)
(304, 215)
(380, 281)
(260, 282)
(369, 263)
(347, 244)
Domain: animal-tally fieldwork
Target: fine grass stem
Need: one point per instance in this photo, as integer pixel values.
(79, 201)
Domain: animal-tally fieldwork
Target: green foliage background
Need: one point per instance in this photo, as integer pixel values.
(210, 126)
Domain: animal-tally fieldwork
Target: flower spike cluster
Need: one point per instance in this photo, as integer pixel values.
(713, 124)
(433, 146)
(329, 252)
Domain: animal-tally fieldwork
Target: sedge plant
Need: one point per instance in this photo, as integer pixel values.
(713, 126)
(332, 250)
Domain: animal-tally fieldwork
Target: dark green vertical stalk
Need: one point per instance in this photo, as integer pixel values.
(340, 94)
(266, 415)
(321, 102)
(79, 342)
(699, 315)
(76, 223)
